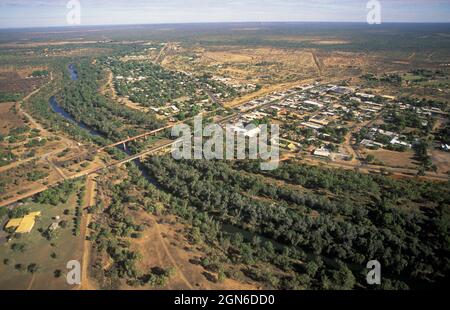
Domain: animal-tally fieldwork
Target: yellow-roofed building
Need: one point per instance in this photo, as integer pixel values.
(13, 223)
(24, 225)
(292, 147)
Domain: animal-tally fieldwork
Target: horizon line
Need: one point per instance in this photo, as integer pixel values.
(225, 22)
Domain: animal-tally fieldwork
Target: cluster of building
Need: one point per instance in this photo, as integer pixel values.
(239, 87)
(312, 106)
(318, 107)
(394, 139)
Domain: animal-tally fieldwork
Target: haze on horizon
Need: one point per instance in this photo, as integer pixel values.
(49, 13)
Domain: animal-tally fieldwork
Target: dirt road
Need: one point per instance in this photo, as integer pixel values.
(86, 283)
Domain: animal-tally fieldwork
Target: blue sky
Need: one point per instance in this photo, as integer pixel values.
(42, 13)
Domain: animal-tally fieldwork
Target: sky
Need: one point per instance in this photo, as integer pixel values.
(49, 13)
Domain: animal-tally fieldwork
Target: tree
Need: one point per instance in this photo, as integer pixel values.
(33, 268)
(370, 158)
(311, 269)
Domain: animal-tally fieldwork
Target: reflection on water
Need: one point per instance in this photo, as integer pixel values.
(57, 109)
(73, 72)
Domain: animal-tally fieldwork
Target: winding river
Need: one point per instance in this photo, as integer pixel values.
(59, 110)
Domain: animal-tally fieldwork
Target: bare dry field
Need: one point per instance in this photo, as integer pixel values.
(441, 160)
(19, 82)
(394, 159)
(9, 119)
(37, 44)
(310, 39)
(245, 65)
(164, 244)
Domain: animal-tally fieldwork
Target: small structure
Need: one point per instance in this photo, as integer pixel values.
(313, 103)
(311, 125)
(396, 141)
(54, 226)
(292, 147)
(322, 152)
(340, 90)
(371, 143)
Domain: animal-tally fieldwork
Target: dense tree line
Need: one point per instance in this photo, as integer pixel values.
(424, 103)
(9, 97)
(366, 218)
(57, 195)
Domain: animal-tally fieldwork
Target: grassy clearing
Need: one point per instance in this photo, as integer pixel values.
(39, 250)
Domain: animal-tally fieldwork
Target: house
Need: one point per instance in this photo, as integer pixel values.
(313, 103)
(54, 226)
(239, 129)
(321, 120)
(365, 96)
(26, 225)
(396, 141)
(371, 143)
(311, 125)
(322, 152)
(340, 90)
(23, 225)
(174, 108)
(388, 97)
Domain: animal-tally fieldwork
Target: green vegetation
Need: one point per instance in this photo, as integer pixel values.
(421, 149)
(444, 135)
(425, 103)
(151, 85)
(39, 73)
(392, 79)
(18, 247)
(82, 101)
(36, 175)
(9, 97)
(18, 212)
(360, 221)
(157, 277)
(109, 236)
(398, 120)
(56, 195)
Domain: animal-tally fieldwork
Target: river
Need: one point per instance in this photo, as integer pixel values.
(73, 72)
(59, 110)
